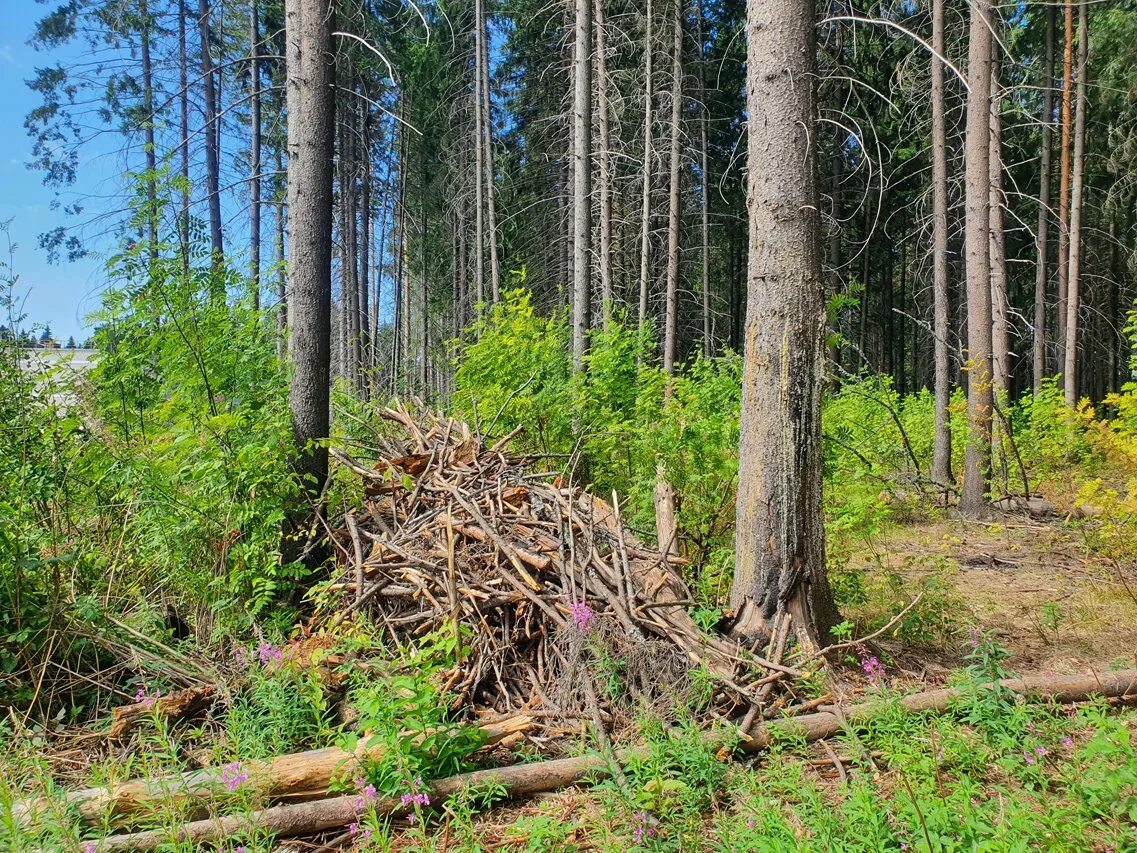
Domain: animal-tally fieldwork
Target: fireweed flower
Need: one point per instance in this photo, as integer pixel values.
(1067, 741)
(873, 668)
(582, 616)
(416, 796)
(240, 656)
(643, 829)
(89, 847)
(367, 794)
(233, 777)
(975, 636)
(268, 653)
(144, 697)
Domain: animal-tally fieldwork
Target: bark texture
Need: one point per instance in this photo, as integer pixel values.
(779, 540)
(1042, 231)
(1070, 351)
(941, 321)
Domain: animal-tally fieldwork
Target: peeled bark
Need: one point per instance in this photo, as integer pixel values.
(1043, 229)
(671, 309)
(941, 322)
(1070, 363)
(582, 185)
(311, 127)
(977, 198)
(780, 537)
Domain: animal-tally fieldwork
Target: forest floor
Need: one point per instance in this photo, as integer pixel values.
(1052, 602)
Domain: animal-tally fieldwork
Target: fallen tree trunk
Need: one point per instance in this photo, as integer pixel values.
(524, 779)
(174, 706)
(297, 776)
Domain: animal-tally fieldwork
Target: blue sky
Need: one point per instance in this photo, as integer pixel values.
(58, 294)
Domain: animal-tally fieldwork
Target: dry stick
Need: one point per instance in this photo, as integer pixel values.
(349, 521)
(520, 780)
(778, 644)
(836, 647)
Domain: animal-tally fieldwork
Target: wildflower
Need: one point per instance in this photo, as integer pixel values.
(416, 796)
(146, 698)
(643, 828)
(1040, 750)
(268, 653)
(975, 636)
(89, 847)
(353, 829)
(873, 668)
(1029, 758)
(1067, 741)
(240, 656)
(233, 777)
(582, 616)
(751, 823)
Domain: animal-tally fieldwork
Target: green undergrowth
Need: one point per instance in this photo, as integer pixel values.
(994, 773)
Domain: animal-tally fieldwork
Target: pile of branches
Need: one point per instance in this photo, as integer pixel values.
(538, 579)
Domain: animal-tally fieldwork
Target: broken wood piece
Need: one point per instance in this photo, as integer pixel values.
(173, 706)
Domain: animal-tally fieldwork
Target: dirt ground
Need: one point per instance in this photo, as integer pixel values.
(1056, 606)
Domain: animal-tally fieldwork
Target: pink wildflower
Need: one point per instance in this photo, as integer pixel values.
(353, 829)
(416, 796)
(233, 777)
(145, 697)
(240, 656)
(268, 653)
(90, 847)
(1067, 741)
(873, 668)
(582, 616)
(643, 829)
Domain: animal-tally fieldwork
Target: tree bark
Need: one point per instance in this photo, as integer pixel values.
(605, 144)
(705, 184)
(311, 127)
(1064, 184)
(648, 163)
(941, 321)
(977, 198)
(582, 184)
(254, 154)
(144, 24)
(1000, 335)
(780, 537)
(674, 235)
(1070, 363)
(487, 160)
(212, 155)
(479, 160)
(1042, 232)
(183, 129)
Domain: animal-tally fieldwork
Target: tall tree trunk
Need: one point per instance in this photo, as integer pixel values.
(605, 144)
(941, 321)
(1000, 336)
(1070, 370)
(479, 158)
(148, 130)
(183, 129)
(281, 275)
(705, 184)
(363, 174)
(582, 184)
(487, 159)
(977, 200)
(212, 155)
(254, 154)
(1064, 184)
(311, 135)
(779, 535)
(648, 164)
(674, 235)
(1043, 229)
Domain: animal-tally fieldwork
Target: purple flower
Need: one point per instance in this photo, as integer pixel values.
(975, 636)
(643, 829)
(268, 653)
(416, 796)
(1067, 741)
(144, 697)
(1040, 750)
(233, 777)
(240, 656)
(873, 668)
(1029, 758)
(353, 829)
(90, 847)
(582, 616)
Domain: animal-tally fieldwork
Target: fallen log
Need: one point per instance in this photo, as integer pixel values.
(524, 779)
(174, 706)
(293, 777)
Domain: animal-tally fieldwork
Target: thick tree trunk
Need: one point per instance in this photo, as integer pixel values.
(648, 164)
(605, 144)
(977, 200)
(1000, 334)
(212, 155)
(1042, 232)
(674, 235)
(1070, 368)
(941, 322)
(254, 154)
(1064, 184)
(311, 128)
(780, 536)
(582, 184)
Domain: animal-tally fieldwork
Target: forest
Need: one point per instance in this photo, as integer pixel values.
(663, 425)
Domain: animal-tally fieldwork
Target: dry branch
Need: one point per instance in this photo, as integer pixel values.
(525, 779)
